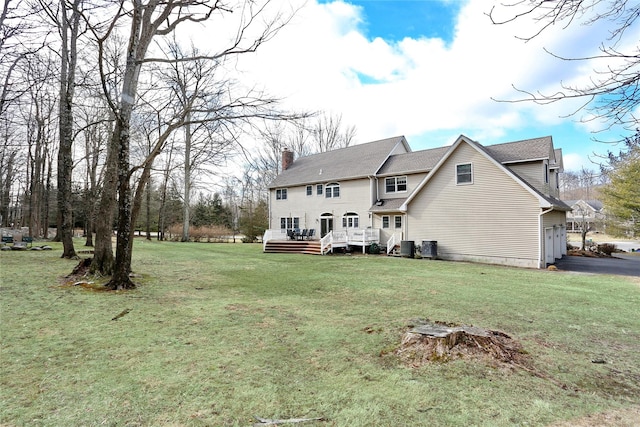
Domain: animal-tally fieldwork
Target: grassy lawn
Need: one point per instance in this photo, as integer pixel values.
(220, 333)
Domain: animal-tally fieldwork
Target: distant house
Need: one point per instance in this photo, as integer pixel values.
(585, 214)
(492, 204)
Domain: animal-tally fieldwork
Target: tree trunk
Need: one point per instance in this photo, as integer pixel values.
(47, 197)
(89, 221)
(187, 181)
(65, 155)
(148, 213)
(124, 242)
(103, 250)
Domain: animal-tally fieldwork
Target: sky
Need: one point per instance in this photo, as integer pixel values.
(432, 70)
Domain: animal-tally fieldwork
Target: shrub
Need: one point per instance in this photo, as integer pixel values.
(374, 249)
(607, 248)
(209, 233)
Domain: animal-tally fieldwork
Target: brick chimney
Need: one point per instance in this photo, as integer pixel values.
(287, 159)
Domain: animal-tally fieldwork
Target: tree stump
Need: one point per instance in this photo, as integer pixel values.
(441, 342)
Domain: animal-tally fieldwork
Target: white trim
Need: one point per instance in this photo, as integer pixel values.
(543, 203)
(457, 174)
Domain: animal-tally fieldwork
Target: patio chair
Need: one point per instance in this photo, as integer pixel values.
(303, 234)
(311, 233)
(291, 234)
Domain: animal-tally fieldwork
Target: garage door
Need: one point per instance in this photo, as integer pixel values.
(548, 246)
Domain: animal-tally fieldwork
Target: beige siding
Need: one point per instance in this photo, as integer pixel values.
(533, 173)
(555, 218)
(492, 220)
(554, 185)
(413, 180)
(354, 197)
(386, 233)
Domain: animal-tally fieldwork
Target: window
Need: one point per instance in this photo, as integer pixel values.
(332, 191)
(397, 221)
(350, 220)
(464, 174)
(288, 223)
(309, 190)
(546, 172)
(281, 194)
(395, 184)
(319, 189)
(385, 221)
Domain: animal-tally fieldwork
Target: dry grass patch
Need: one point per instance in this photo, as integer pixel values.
(219, 333)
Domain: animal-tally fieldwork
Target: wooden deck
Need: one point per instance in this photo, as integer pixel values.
(311, 247)
(276, 241)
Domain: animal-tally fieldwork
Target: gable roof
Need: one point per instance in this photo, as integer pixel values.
(416, 161)
(352, 162)
(515, 150)
(596, 205)
(523, 151)
(559, 162)
(387, 205)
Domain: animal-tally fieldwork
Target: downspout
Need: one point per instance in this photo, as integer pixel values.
(541, 237)
(373, 187)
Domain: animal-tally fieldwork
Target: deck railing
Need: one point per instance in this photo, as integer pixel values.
(391, 243)
(363, 237)
(325, 242)
(276, 234)
(333, 239)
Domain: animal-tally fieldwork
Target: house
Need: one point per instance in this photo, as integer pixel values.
(492, 204)
(585, 214)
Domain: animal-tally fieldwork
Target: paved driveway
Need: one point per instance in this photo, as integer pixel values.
(623, 264)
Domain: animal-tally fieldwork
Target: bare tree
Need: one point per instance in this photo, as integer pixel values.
(147, 21)
(328, 133)
(313, 133)
(612, 94)
(68, 22)
(38, 115)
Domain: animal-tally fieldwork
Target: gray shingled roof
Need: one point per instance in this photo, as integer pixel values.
(416, 161)
(364, 160)
(558, 163)
(520, 151)
(388, 205)
(356, 161)
(595, 204)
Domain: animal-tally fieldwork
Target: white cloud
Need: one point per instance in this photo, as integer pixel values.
(423, 85)
(575, 162)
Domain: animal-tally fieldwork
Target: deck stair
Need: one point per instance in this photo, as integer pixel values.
(311, 247)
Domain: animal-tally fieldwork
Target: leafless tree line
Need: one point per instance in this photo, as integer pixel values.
(109, 100)
(612, 93)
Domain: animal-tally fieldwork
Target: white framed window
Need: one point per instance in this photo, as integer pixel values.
(395, 184)
(287, 223)
(332, 191)
(464, 173)
(281, 194)
(351, 220)
(319, 189)
(546, 172)
(309, 190)
(397, 221)
(385, 221)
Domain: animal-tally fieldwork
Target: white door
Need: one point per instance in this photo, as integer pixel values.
(557, 242)
(548, 246)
